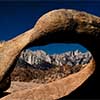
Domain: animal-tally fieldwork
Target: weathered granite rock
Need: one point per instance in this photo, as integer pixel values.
(50, 91)
(36, 57)
(62, 26)
(71, 58)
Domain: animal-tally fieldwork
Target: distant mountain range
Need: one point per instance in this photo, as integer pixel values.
(40, 59)
(40, 67)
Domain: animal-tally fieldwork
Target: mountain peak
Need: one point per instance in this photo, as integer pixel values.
(71, 58)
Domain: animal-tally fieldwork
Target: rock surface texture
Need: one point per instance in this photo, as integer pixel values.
(38, 70)
(52, 90)
(40, 57)
(72, 27)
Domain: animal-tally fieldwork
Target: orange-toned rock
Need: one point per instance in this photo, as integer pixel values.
(70, 25)
(50, 91)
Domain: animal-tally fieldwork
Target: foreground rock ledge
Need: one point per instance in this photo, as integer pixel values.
(50, 91)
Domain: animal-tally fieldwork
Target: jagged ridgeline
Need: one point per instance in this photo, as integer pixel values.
(40, 58)
(40, 67)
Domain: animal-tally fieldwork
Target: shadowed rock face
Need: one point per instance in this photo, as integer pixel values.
(57, 26)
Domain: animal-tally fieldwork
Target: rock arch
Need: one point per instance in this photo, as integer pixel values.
(62, 25)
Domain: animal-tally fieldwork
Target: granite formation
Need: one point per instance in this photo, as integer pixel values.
(70, 25)
(39, 58)
(32, 66)
(51, 91)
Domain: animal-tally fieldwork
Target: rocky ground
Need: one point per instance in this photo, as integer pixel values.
(50, 91)
(37, 73)
(39, 67)
(27, 74)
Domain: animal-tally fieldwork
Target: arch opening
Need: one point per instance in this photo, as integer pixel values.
(44, 64)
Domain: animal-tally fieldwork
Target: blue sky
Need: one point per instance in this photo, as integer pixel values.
(19, 16)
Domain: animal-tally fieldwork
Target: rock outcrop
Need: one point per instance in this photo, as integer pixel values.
(35, 58)
(40, 57)
(64, 26)
(52, 90)
(39, 70)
